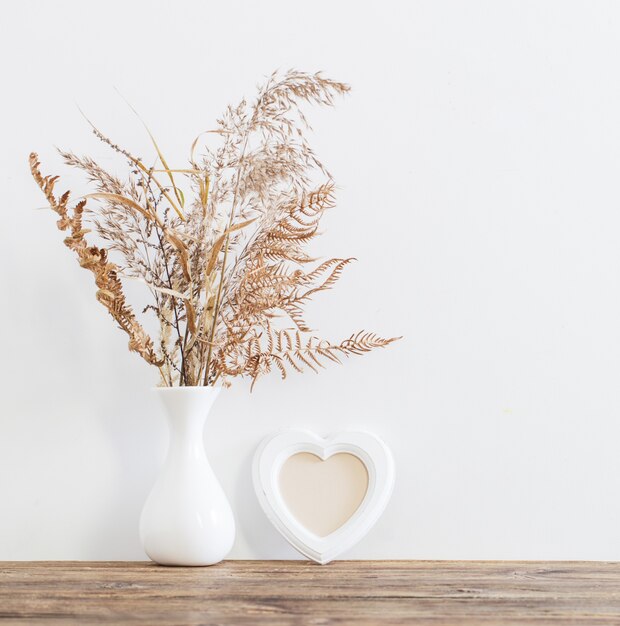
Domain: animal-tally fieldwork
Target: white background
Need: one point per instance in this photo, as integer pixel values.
(478, 163)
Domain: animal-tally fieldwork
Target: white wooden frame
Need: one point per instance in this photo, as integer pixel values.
(374, 454)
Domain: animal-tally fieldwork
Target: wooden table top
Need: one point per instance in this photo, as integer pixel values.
(363, 593)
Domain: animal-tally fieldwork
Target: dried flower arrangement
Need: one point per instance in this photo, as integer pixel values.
(223, 267)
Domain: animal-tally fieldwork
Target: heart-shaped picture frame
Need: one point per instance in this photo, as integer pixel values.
(321, 541)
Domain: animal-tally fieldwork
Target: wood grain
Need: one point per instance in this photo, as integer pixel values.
(295, 592)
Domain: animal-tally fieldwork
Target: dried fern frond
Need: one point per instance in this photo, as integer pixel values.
(110, 292)
(288, 349)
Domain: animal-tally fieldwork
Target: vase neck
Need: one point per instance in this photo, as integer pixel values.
(187, 409)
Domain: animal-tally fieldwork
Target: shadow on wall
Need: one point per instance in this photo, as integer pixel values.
(137, 436)
(255, 533)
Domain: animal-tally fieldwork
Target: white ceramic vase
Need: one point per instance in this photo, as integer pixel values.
(186, 519)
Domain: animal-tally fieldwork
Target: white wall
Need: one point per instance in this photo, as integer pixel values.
(478, 159)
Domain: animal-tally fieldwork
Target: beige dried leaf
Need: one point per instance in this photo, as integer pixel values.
(115, 197)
